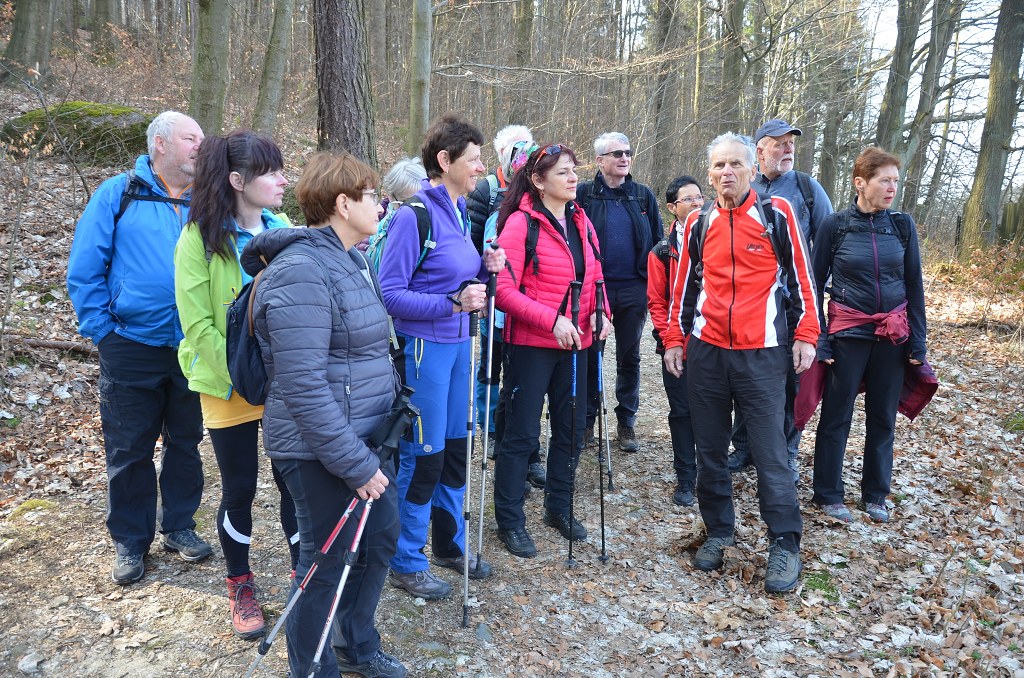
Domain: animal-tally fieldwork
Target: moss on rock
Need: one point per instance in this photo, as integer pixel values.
(96, 134)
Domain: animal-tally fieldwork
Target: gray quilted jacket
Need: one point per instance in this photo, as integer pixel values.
(323, 332)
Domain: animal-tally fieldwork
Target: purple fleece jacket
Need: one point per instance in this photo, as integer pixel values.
(417, 301)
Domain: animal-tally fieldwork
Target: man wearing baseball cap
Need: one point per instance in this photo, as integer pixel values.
(776, 146)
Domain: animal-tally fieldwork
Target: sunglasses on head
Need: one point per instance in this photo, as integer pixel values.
(628, 152)
(553, 149)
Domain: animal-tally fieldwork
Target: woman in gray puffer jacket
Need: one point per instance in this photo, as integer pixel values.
(323, 333)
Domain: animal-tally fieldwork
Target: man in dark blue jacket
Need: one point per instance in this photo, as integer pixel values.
(121, 282)
(626, 217)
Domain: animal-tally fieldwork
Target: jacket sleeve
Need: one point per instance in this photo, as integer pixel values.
(194, 298)
(509, 299)
(800, 280)
(822, 209)
(397, 265)
(821, 256)
(298, 310)
(914, 283)
(89, 262)
(686, 287)
(657, 303)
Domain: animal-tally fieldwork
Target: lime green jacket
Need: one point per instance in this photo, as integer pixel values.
(203, 290)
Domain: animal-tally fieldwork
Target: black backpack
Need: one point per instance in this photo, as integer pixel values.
(245, 362)
(663, 250)
(899, 219)
(132, 192)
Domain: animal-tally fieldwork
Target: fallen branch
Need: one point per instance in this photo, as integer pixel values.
(73, 346)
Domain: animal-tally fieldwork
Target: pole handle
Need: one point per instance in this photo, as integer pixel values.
(575, 287)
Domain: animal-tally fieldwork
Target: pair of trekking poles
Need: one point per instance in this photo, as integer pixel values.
(386, 436)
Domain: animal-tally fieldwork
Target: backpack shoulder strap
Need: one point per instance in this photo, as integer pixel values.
(492, 185)
(841, 229)
(131, 192)
(424, 228)
(700, 228)
(803, 181)
(530, 248)
(780, 240)
(899, 219)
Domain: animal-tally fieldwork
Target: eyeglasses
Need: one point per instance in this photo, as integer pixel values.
(689, 201)
(553, 149)
(372, 193)
(628, 152)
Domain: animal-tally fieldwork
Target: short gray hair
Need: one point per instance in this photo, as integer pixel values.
(733, 138)
(403, 179)
(601, 143)
(512, 133)
(162, 126)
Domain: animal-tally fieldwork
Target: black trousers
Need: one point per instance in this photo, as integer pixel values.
(680, 426)
(880, 366)
(629, 313)
(755, 381)
(531, 373)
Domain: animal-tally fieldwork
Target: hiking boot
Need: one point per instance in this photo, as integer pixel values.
(683, 495)
(422, 584)
(739, 461)
(877, 512)
(188, 544)
(783, 570)
(459, 563)
(380, 665)
(560, 521)
(518, 542)
(536, 475)
(837, 511)
(627, 439)
(711, 554)
(246, 615)
(589, 439)
(128, 569)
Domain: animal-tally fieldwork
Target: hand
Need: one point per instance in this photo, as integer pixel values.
(374, 488)
(913, 361)
(829, 361)
(472, 298)
(674, 361)
(494, 259)
(566, 333)
(803, 356)
(605, 326)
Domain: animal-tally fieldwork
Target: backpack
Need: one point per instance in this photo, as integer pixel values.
(495, 189)
(843, 227)
(663, 250)
(379, 240)
(245, 361)
(803, 182)
(132, 189)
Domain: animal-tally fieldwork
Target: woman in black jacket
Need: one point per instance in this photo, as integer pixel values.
(876, 325)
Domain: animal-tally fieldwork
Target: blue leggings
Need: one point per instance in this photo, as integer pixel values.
(432, 461)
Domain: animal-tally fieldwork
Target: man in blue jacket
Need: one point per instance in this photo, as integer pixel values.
(121, 282)
(627, 218)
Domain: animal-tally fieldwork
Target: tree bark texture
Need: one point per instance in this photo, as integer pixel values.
(889, 134)
(275, 62)
(981, 213)
(31, 40)
(419, 104)
(210, 65)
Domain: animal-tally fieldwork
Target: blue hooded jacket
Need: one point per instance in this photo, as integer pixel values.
(121, 278)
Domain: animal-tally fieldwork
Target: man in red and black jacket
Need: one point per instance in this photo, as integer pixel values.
(746, 270)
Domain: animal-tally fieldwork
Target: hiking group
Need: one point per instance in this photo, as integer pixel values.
(386, 305)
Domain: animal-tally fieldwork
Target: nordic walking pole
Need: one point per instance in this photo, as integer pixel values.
(474, 332)
(350, 558)
(265, 644)
(599, 343)
(602, 404)
(574, 300)
(492, 285)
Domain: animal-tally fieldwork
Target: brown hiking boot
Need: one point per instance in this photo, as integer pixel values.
(246, 615)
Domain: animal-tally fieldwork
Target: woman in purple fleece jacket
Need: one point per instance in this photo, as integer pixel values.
(430, 301)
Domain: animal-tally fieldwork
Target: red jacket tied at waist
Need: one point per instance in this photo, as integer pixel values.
(892, 325)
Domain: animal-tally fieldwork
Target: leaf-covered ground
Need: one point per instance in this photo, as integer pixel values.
(937, 591)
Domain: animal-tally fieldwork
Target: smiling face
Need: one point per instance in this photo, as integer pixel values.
(730, 173)
(775, 155)
(264, 191)
(462, 173)
(878, 192)
(559, 183)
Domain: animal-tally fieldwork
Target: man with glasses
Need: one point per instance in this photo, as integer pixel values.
(627, 220)
(776, 146)
(682, 197)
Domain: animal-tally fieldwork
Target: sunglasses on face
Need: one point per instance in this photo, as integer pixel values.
(628, 152)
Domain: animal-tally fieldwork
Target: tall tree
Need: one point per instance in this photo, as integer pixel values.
(889, 134)
(264, 118)
(210, 65)
(419, 106)
(521, 51)
(344, 119)
(31, 39)
(104, 29)
(665, 93)
(732, 65)
(982, 210)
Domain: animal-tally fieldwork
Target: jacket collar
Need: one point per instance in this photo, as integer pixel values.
(602, 185)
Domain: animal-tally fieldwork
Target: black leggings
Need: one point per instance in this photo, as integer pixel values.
(237, 451)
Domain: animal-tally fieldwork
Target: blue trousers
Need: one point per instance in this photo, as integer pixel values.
(143, 397)
(432, 462)
(320, 499)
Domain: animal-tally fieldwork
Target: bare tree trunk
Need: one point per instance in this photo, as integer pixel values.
(419, 106)
(665, 94)
(210, 65)
(375, 19)
(28, 51)
(104, 39)
(264, 118)
(521, 52)
(344, 119)
(889, 134)
(732, 66)
(981, 213)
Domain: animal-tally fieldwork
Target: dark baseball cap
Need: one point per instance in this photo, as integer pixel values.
(775, 127)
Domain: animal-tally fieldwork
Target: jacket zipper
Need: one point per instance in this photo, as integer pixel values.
(732, 254)
(874, 249)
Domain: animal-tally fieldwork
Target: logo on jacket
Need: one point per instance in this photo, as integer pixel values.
(755, 247)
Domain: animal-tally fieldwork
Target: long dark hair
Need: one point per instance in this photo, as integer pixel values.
(541, 161)
(213, 198)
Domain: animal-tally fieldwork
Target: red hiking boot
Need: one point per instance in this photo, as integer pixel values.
(246, 615)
